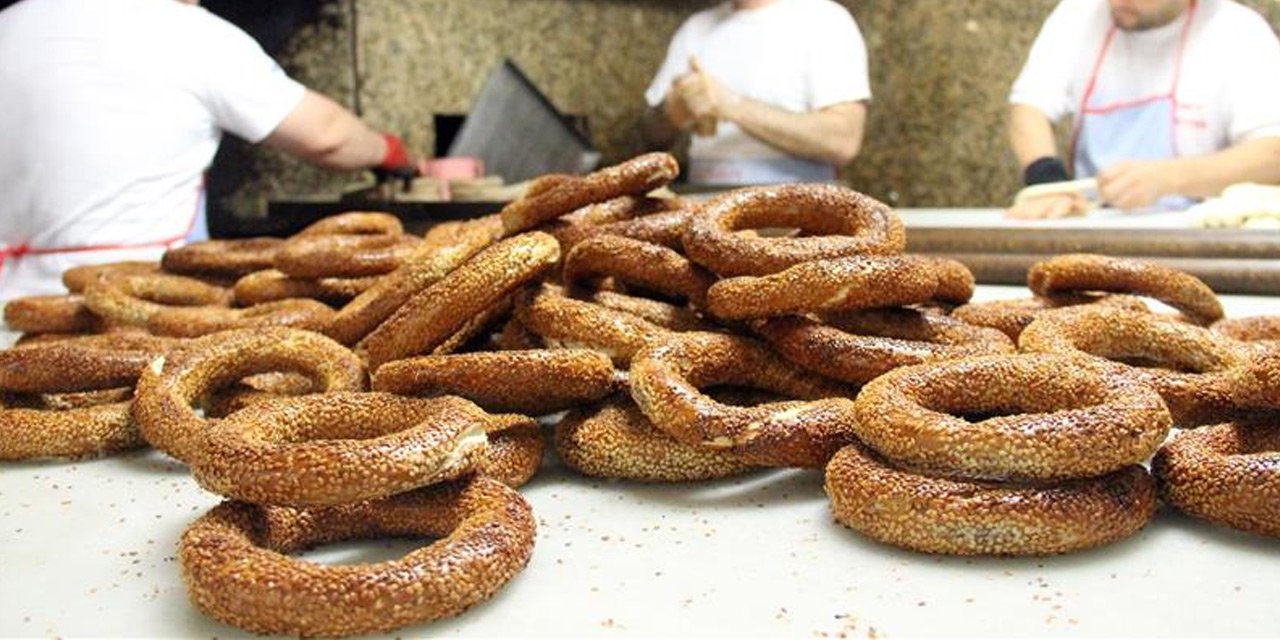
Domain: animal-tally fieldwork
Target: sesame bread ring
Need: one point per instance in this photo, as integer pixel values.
(515, 452)
(426, 266)
(72, 432)
(1012, 316)
(76, 279)
(530, 382)
(615, 440)
(1012, 417)
(565, 323)
(1250, 329)
(170, 385)
(859, 282)
(636, 176)
(969, 517)
(1256, 383)
(1192, 367)
(837, 222)
(236, 565)
(192, 322)
(343, 256)
(132, 300)
(663, 314)
(452, 232)
(647, 266)
(858, 346)
(233, 258)
(51, 314)
(355, 223)
(955, 281)
(271, 285)
(432, 315)
(338, 448)
(1228, 474)
(666, 381)
(82, 363)
(577, 225)
(664, 228)
(1088, 272)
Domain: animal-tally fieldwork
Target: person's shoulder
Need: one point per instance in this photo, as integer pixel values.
(821, 9)
(1232, 18)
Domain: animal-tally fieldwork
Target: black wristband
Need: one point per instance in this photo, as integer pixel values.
(1046, 169)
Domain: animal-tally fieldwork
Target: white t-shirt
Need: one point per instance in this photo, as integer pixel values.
(1228, 90)
(111, 111)
(800, 55)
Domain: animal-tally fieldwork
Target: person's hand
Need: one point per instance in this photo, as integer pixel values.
(704, 95)
(1134, 184)
(675, 108)
(396, 162)
(1057, 205)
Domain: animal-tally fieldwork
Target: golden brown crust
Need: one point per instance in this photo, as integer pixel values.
(235, 565)
(666, 382)
(82, 363)
(188, 322)
(665, 228)
(615, 440)
(515, 452)
(840, 222)
(955, 281)
(1053, 417)
(233, 258)
(343, 256)
(429, 317)
(1088, 272)
(76, 279)
(858, 282)
(1012, 316)
(650, 267)
(132, 300)
(636, 176)
(51, 314)
(69, 433)
(428, 264)
(1250, 329)
(531, 382)
(563, 322)
(1190, 366)
(355, 223)
(858, 346)
(663, 314)
(966, 517)
(271, 285)
(1228, 474)
(339, 448)
(169, 386)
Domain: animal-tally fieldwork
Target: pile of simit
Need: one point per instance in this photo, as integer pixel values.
(355, 381)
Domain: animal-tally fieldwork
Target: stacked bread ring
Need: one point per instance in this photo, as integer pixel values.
(633, 313)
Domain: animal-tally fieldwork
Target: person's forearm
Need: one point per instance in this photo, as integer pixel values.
(1204, 176)
(659, 132)
(322, 132)
(832, 135)
(1031, 135)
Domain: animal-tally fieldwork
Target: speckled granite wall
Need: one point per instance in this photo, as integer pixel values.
(941, 70)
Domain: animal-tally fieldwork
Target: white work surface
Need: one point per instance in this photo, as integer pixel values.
(1097, 219)
(88, 548)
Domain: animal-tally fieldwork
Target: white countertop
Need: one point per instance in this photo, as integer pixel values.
(1097, 219)
(87, 548)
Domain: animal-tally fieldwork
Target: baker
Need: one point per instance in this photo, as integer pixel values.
(1171, 100)
(773, 91)
(113, 109)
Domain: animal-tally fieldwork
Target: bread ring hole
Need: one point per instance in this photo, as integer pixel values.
(372, 549)
(773, 219)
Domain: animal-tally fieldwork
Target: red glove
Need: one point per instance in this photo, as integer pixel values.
(397, 157)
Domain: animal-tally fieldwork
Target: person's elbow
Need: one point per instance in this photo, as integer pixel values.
(321, 147)
(844, 150)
